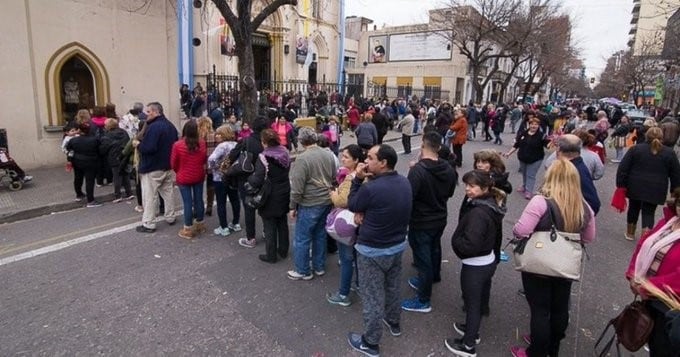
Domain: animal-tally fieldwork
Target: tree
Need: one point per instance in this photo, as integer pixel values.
(640, 71)
(243, 24)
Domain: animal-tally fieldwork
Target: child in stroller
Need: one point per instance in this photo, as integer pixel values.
(11, 172)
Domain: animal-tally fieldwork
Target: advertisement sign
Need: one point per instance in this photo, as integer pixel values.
(301, 48)
(377, 49)
(419, 46)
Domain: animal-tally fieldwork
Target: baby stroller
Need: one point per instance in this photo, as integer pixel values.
(10, 173)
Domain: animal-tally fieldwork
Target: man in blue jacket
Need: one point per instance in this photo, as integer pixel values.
(569, 148)
(154, 144)
(383, 209)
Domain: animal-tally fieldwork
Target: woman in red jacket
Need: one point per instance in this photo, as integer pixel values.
(657, 259)
(188, 159)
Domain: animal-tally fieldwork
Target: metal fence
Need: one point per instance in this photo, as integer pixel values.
(429, 92)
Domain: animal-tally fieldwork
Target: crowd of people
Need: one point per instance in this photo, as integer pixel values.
(232, 161)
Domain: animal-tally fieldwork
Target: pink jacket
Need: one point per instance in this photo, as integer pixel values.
(527, 222)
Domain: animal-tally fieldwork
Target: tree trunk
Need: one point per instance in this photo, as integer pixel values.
(247, 85)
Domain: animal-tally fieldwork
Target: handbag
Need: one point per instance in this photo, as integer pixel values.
(341, 227)
(632, 328)
(224, 165)
(257, 198)
(552, 253)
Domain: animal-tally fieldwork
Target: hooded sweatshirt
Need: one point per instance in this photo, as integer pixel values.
(432, 184)
(480, 230)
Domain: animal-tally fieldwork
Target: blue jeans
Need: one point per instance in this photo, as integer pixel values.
(192, 200)
(222, 191)
(346, 268)
(310, 229)
(427, 254)
(529, 172)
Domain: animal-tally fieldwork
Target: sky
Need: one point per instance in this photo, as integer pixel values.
(599, 27)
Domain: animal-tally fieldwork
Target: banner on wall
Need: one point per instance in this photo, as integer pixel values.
(227, 45)
(419, 46)
(301, 49)
(377, 49)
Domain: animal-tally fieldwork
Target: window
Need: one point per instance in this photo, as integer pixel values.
(316, 8)
(350, 62)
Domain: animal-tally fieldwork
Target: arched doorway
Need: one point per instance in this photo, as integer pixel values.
(77, 87)
(74, 72)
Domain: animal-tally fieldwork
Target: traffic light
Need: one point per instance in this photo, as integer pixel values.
(592, 80)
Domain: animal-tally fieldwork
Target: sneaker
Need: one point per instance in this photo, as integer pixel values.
(27, 178)
(460, 328)
(518, 351)
(128, 197)
(293, 275)
(139, 209)
(93, 204)
(219, 231)
(520, 292)
(527, 339)
(248, 243)
(144, 229)
(319, 272)
(459, 348)
(395, 329)
(416, 305)
(337, 299)
(234, 227)
(79, 198)
(118, 200)
(414, 283)
(357, 342)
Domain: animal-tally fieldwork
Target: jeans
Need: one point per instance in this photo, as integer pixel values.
(192, 199)
(427, 255)
(648, 210)
(474, 281)
(310, 230)
(548, 299)
(620, 151)
(379, 286)
(89, 175)
(529, 172)
(472, 130)
(276, 236)
(222, 191)
(406, 142)
(153, 184)
(346, 268)
(498, 140)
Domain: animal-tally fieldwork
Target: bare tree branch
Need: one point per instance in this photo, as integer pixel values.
(268, 10)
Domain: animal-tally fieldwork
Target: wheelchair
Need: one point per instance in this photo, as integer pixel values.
(8, 175)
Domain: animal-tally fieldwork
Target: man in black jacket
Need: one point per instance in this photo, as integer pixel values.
(432, 184)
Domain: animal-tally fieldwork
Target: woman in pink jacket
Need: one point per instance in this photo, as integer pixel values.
(187, 159)
(548, 297)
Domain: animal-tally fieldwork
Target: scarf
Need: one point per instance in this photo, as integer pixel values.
(651, 247)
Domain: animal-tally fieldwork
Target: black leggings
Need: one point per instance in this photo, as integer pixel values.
(648, 210)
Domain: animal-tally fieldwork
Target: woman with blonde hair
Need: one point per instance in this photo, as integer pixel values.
(548, 296)
(648, 171)
(226, 141)
(205, 132)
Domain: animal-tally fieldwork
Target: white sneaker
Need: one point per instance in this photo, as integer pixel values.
(222, 231)
(234, 227)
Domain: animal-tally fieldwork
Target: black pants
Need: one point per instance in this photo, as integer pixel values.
(104, 173)
(249, 212)
(458, 151)
(548, 299)
(485, 131)
(648, 210)
(87, 173)
(276, 237)
(121, 178)
(406, 141)
(659, 342)
(474, 281)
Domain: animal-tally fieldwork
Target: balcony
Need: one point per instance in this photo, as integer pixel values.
(636, 9)
(634, 20)
(633, 30)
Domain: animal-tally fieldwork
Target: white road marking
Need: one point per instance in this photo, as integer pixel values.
(66, 244)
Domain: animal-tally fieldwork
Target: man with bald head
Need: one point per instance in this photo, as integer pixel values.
(569, 147)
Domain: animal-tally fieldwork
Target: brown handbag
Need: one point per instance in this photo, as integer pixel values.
(631, 329)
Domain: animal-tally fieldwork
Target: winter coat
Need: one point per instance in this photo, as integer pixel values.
(646, 176)
(460, 127)
(480, 228)
(381, 123)
(251, 144)
(671, 131)
(366, 134)
(189, 166)
(155, 147)
(432, 184)
(278, 168)
(85, 151)
(530, 147)
(112, 144)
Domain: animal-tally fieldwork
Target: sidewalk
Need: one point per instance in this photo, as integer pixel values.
(51, 190)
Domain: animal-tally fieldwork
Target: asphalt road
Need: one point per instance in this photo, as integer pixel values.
(112, 291)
